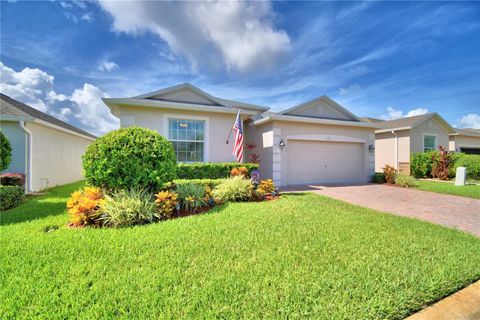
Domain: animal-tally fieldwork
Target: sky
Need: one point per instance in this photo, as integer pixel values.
(378, 59)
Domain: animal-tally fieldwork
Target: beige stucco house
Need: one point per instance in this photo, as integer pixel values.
(465, 140)
(315, 142)
(398, 139)
(48, 151)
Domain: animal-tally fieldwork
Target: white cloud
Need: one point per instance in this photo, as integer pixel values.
(240, 33)
(35, 88)
(104, 65)
(472, 120)
(393, 113)
(352, 89)
(87, 17)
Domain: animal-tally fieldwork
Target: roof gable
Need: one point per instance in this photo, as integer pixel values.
(414, 122)
(184, 93)
(323, 108)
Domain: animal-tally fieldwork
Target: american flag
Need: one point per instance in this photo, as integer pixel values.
(238, 146)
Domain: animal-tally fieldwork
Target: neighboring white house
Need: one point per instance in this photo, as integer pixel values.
(313, 143)
(48, 151)
(466, 141)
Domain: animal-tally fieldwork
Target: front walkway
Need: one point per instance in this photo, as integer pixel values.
(452, 211)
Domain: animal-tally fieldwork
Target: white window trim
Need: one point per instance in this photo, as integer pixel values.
(430, 135)
(206, 136)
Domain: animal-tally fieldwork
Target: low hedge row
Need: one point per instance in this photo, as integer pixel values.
(421, 164)
(10, 196)
(211, 183)
(210, 170)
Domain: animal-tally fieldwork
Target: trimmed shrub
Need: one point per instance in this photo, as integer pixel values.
(127, 208)
(130, 158)
(234, 189)
(378, 177)
(84, 206)
(12, 179)
(211, 170)
(421, 164)
(267, 186)
(191, 196)
(211, 183)
(471, 162)
(10, 196)
(390, 173)
(5, 152)
(405, 181)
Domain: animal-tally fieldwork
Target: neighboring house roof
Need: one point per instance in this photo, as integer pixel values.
(163, 99)
(12, 109)
(371, 120)
(412, 122)
(467, 132)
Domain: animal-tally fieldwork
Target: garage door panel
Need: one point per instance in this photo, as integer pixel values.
(325, 162)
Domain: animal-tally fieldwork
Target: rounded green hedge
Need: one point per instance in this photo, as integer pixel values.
(130, 158)
(5, 152)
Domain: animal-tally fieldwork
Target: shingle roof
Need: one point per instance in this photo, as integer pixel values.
(371, 120)
(12, 107)
(405, 122)
(468, 132)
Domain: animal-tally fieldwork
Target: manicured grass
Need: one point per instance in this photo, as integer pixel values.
(303, 256)
(472, 191)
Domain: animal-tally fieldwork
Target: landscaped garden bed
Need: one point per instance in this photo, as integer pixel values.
(131, 175)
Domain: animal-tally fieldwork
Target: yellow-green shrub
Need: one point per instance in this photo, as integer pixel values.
(166, 202)
(84, 206)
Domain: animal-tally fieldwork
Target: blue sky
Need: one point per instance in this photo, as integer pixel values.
(378, 59)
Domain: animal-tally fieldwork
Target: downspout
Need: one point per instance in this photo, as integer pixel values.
(28, 158)
(396, 149)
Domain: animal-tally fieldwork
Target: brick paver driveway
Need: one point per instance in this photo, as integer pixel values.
(453, 211)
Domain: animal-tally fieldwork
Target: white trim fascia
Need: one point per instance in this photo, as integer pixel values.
(28, 157)
(431, 135)
(53, 126)
(325, 99)
(464, 135)
(206, 136)
(392, 129)
(328, 138)
(117, 102)
(314, 120)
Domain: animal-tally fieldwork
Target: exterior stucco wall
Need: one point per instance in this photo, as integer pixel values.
(385, 149)
(17, 138)
(284, 130)
(218, 126)
(431, 127)
(262, 136)
(466, 141)
(56, 156)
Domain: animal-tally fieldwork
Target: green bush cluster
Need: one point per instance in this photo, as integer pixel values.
(234, 189)
(405, 181)
(11, 196)
(421, 164)
(471, 162)
(5, 152)
(130, 158)
(127, 208)
(378, 177)
(191, 196)
(210, 170)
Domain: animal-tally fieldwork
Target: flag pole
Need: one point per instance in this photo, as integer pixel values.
(231, 128)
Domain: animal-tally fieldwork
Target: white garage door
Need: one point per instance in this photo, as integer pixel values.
(319, 162)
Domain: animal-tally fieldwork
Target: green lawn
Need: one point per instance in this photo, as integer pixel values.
(303, 256)
(472, 191)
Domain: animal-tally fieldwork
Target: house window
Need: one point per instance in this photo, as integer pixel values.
(429, 143)
(188, 139)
